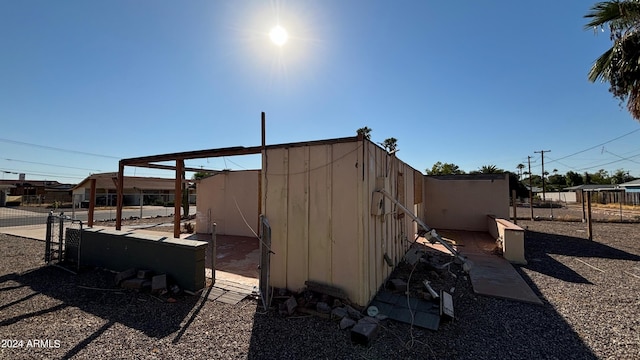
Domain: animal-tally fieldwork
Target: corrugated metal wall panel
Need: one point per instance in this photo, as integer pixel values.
(275, 189)
(345, 254)
(320, 219)
(318, 201)
(298, 217)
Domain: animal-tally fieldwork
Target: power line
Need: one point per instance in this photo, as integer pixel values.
(12, 171)
(541, 152)
(57, 149)
(59, 166)
(596, 146)
(622, 157)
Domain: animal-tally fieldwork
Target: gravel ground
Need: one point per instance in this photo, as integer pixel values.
(573, 212)
(589, 289)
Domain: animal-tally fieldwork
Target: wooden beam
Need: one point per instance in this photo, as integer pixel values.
(119, 195)
(233, 151)
(92, 203)
(239, 150)
(177, 201)
(172, 168)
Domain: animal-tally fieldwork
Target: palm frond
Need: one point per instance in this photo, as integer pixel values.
(601, 67)
(617, 14)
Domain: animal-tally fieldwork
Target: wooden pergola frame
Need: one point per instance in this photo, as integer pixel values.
(179, 158)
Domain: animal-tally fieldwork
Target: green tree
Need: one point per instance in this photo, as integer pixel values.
(200, 175)
(490, 169)
(440, 168)
(620, 65)
(365, 132)
(601, 177)
(573, 179)
(520, 168)
(620, 176)
(391, 145)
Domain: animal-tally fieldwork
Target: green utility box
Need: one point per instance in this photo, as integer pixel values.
(182, 260)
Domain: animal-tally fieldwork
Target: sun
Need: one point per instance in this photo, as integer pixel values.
(279, 35)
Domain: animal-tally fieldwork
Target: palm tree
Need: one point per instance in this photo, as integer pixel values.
(490, 169)
(391, 145)
(520, 167)
(620, 65)
(365, 132)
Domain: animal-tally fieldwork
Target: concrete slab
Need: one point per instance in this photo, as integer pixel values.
(491, 275)
(231, 297)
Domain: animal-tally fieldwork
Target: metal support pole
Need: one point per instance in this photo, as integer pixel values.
(513, 201)
(119, 195)
(530, 188)
(92, 205)
(584, 212)
(47, 246)
(60, 238)
(620, 194)
(213, 254)
(177, 201)
(589, 228)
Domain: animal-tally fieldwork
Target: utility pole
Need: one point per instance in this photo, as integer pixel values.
(530, 188)
(542, 155)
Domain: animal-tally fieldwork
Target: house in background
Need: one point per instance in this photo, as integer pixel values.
(632, 192)
(631, 186)
(150, 190)
(37, 192)
(4, 193)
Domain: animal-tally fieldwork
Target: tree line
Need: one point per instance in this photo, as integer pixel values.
(553, 182)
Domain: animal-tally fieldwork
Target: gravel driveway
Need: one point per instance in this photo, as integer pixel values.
(589, 290)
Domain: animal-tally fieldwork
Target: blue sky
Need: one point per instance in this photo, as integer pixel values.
(471, 83)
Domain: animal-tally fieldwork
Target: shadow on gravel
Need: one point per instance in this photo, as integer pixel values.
(539, 245)
(139, 311)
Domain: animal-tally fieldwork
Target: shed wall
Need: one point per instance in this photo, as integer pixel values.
(463, 204)
(224, 199)
(318, 202)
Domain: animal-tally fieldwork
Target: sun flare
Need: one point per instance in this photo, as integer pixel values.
(279, 35)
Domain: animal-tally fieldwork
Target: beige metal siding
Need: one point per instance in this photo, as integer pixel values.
(225, 199)
(465, 203)
(318, 201)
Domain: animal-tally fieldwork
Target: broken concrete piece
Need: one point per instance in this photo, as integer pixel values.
(346, 323)
(364, 331)
(144, 274)
(433, 293)
(133, 284)
(124, 275)
(370, 319)
(446, 304)
(338, 313)
(381, 317)
(353, 313)
(291, 305)
(399, 284)
(159, 283)
(323, 307)
(326, 289)
(413, 256)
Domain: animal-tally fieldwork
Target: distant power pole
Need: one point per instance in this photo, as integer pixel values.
(530, 188)
(542, 155)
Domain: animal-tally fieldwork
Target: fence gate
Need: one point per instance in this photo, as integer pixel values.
(62, 243)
